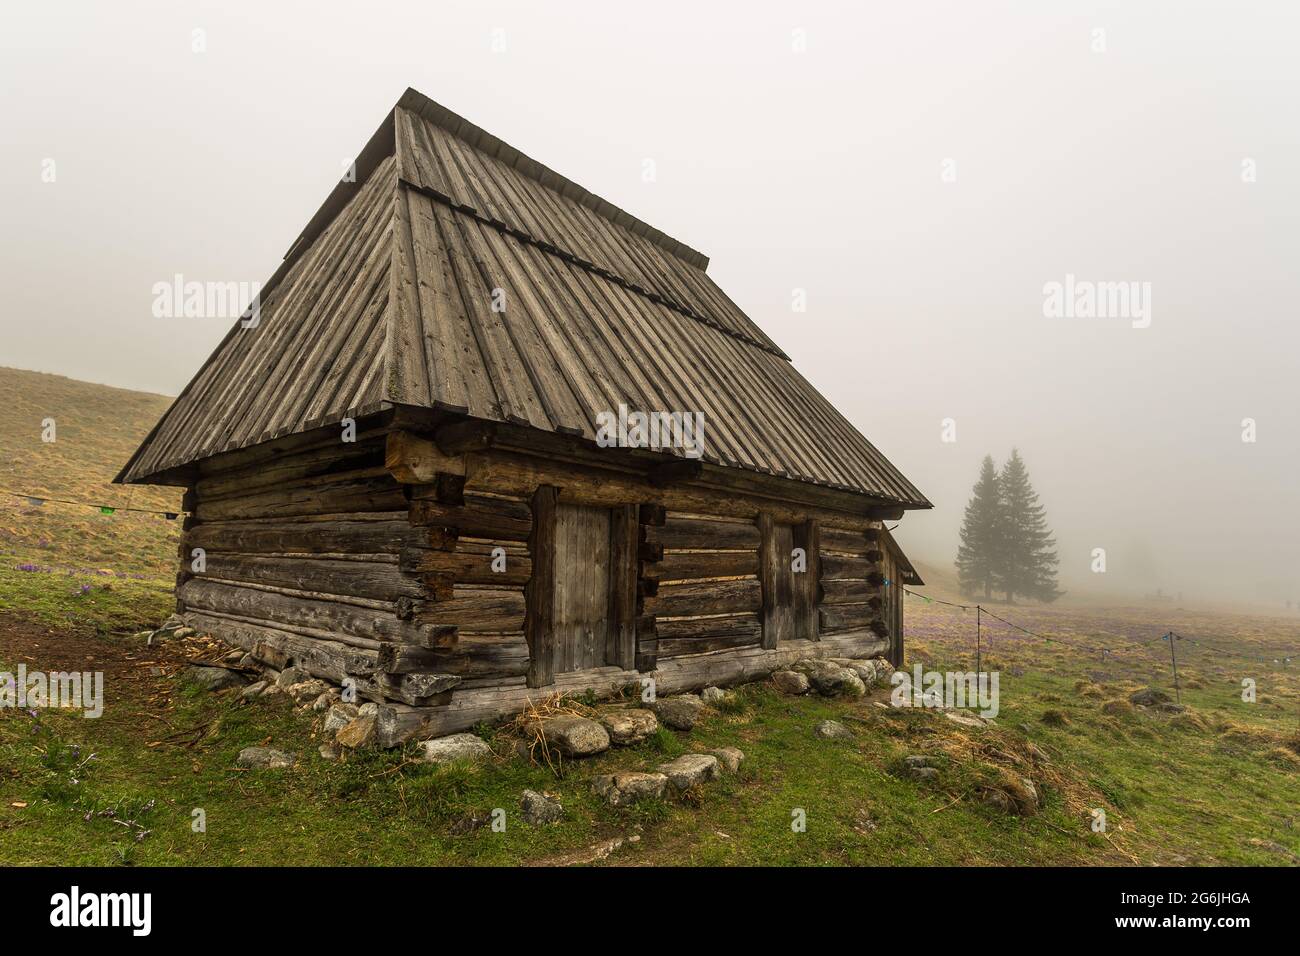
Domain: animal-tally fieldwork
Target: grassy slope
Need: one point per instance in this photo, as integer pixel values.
(97, 429)
(1217, 787)
(1220, 786)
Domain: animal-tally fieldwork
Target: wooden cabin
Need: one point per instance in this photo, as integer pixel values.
(397, 473)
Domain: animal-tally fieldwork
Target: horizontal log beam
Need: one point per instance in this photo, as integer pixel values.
(489, 610)
(686, 565)
(670, 472)
(702, 533)
(342, 620)
(517, 474)
(377, 581)
(415, 460)
(706, 597)
(478, 517)
(343, 537)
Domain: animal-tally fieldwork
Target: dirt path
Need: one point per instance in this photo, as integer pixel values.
(137, 688)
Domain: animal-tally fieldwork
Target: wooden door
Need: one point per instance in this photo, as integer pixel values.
(777, 580)
(580, 619)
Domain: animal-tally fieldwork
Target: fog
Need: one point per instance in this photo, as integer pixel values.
(921, 171)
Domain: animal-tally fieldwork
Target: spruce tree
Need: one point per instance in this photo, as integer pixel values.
(979, 553)
(1027, 562)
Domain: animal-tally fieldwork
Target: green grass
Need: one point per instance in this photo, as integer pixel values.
(1173, 794)
(88, 598)
(97, 428)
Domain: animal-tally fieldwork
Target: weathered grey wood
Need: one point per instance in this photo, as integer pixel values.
(397, 658)
(580, 612)
(840, 617)
(425, 689)
(670, 647)
(415, 460)
(344, 537)
(838, 566)
(488, 610)
(343, 620)
(768, 571)
(620, 650)
(473, 563)
(807, 584)
(540, 612)
(512, 473)
(373, 494)
(848, 591)
(319, 658)
(361, 578)
(776, 580)
(706, 597)
(694, 635)
(688, 565)
(844, 541)
(682, 533)
(327, 464)
(479, 517)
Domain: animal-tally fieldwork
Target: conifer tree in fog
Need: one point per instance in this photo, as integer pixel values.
(979, 554)
(1026, 558)
(1005, 542)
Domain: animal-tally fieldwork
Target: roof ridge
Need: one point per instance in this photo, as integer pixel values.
(478, 138)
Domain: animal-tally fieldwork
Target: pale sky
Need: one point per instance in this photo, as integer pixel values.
(822, 170)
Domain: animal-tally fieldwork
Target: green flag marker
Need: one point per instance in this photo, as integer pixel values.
(105, 510)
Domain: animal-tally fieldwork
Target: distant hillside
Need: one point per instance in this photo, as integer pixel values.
(97, 429)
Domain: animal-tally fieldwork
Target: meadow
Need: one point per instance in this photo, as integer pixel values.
(1217, 782)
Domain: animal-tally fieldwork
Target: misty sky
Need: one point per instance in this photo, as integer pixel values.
(821, 170)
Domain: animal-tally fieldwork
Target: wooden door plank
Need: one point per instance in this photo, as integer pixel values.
(539, 617)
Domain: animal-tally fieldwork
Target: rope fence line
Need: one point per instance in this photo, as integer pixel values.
(38, 500)
(1129, 644)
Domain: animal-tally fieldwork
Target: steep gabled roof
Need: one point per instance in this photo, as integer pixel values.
(458, 274)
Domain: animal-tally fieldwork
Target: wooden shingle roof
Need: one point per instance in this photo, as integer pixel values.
(458, 274)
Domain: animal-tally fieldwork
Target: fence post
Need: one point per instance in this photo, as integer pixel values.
(1174, 659)
(979, 611)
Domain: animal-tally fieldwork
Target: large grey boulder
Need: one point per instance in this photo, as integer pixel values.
(713, 696)
(339, 716)
(853, 684)
(826, 677)
(832, 730)
(679, 713)
(454, 747)
(791, 682)
(264, 757)
(538, 808)
(306, 691)
(359, 732)
(290, 676)
(214, 678)
(690, 770)
(572, 736)
(730, 758)
(626, 727)
(625, 789)
(872, 673)
(964, 718)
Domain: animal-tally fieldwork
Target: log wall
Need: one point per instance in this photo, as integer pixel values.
(381, 562)
(853, 582)
(312, 560)
(707, 595)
